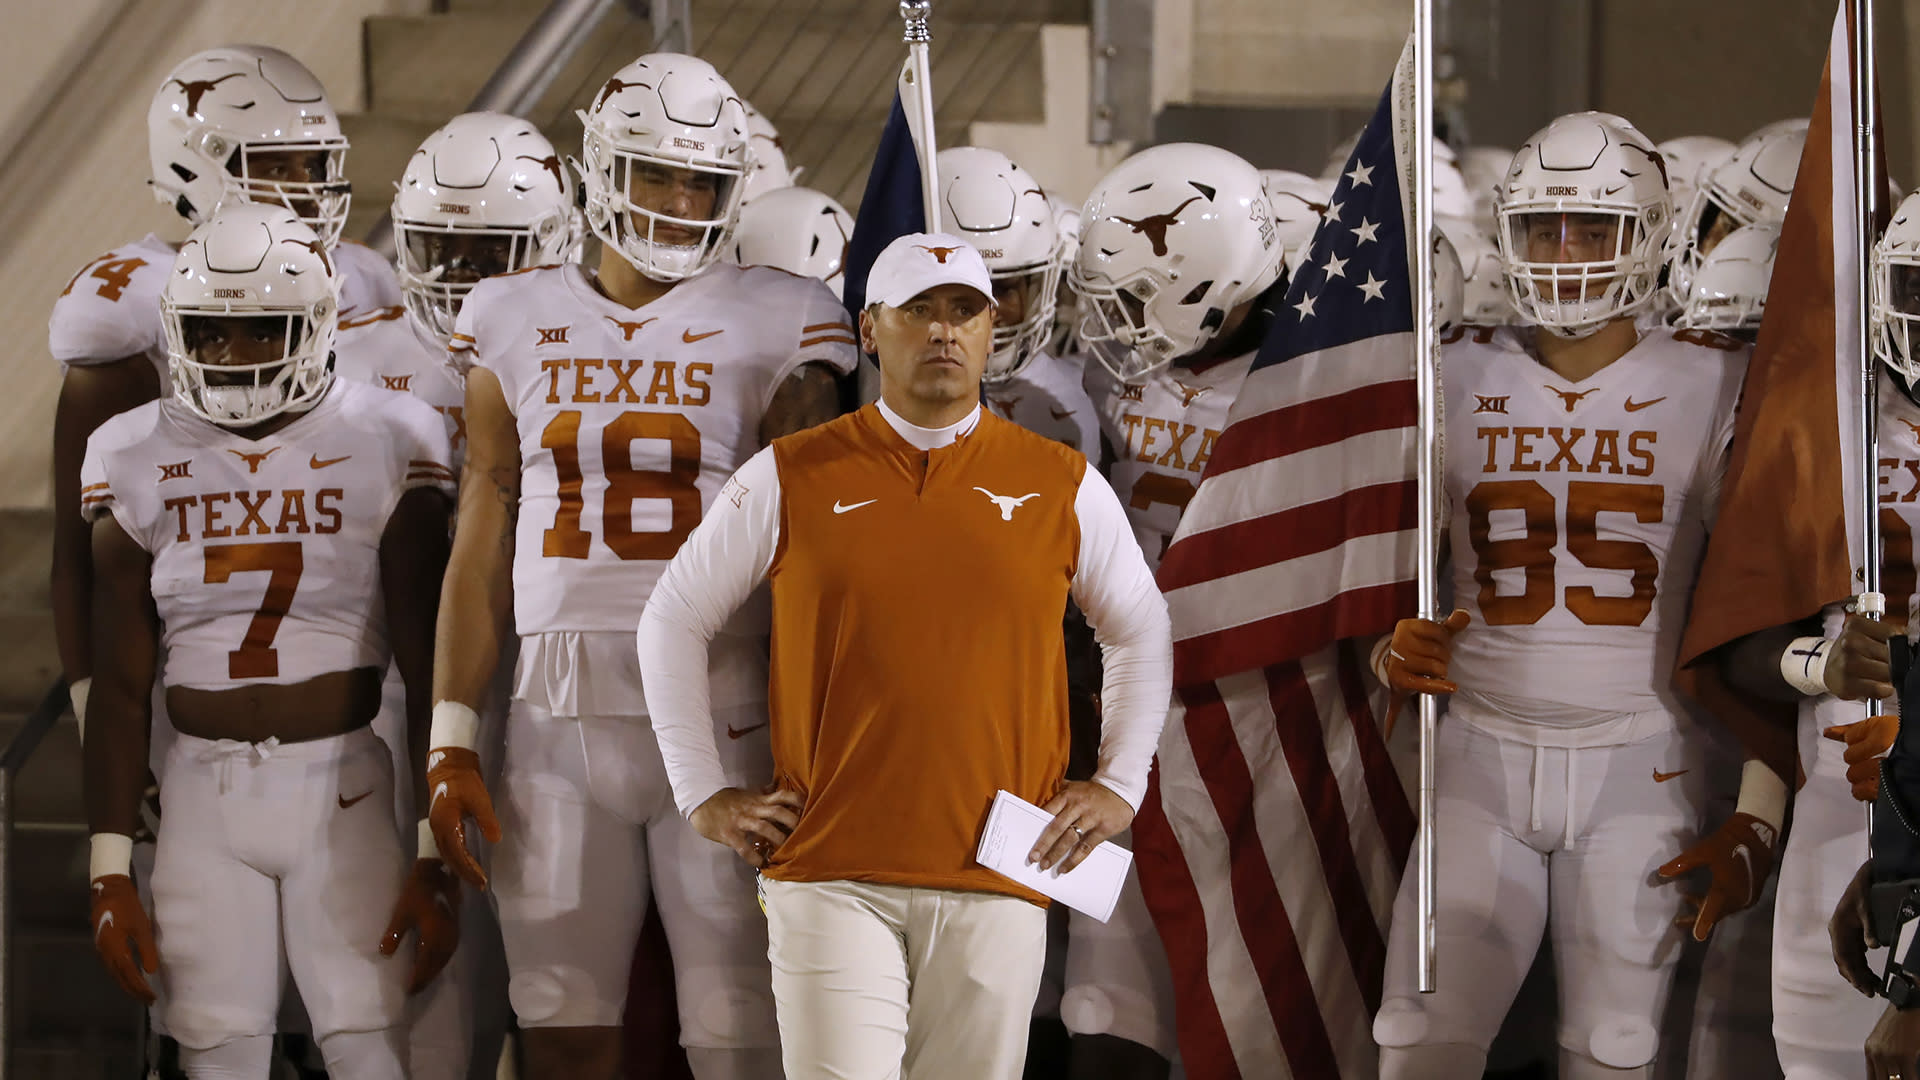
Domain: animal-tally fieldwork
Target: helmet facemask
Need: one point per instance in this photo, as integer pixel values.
(1572, 271)
(258, 172)
(1114, 326)
(201, 340)
(1027, 298)
(438, 265)
(623, 186)
(1896, 311)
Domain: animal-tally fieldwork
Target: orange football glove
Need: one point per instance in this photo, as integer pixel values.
(1417, 659)
(429, 908)
(123, 935)
(1738, 856)
(457, 793)
(1867, 742)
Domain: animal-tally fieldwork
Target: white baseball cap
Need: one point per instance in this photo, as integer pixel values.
(917, 262)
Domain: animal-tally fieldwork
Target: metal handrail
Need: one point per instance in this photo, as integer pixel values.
(40, 721)
(526, 74)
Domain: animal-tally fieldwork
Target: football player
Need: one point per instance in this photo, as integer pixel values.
(605, 408)
(233, 123)
(1179, 268)
(1828, 666)
(1585, 462)
(999, 208)
(486, 194)
(1751, 186)
(291, 542)
(1728, 293)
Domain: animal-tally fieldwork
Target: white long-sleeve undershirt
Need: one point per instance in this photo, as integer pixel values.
(732, 550)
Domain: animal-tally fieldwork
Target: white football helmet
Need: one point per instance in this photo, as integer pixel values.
(769, 171)
(1484, 296)
(260, 262)
(1066, 316)
(1895, 302)
(1729, 290)
(216, 116)
(1299, 203)
(1587, 180)
(1000, 209)
(1483, 168)
(484, 195)
(1751, 186)
(1690, 157)
(1449, 284)
(797, 229)
(1171, 240)
(662, 114)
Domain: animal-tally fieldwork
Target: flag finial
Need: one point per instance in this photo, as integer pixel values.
(915, 12)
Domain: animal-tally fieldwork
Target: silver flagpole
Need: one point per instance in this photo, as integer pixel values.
(1427, 385)
(1866, 201)
(915, 12)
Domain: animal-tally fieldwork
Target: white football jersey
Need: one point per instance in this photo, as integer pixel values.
(386, 348)
(631, 420)
(1161, 432)
(1578, 514)
(111, 308)
(1049, 398)
(266, 552)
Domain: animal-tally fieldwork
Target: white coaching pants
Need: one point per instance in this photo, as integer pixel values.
(590, 831)
(885, 982)
(1820, 1022)
(275, 858)
(1532, 840)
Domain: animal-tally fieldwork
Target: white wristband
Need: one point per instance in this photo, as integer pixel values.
(109, 854)
(77, 694)
(426, 848)
(1762, 794)
(1804, 665)
(1377, 660)
(454, 724)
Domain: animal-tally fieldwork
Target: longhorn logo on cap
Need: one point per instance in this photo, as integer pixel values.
(940, 253)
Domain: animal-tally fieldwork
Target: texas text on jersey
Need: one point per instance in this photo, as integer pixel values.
(1162, 430)
(630, 421)
(385, 348)
(111, 308)
(287, 526)
(1048, 398)
(1579, 512)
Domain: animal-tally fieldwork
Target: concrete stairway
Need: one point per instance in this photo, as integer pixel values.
(822, 70)
(69, 1020)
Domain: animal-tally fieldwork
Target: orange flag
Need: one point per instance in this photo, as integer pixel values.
(1787, 538)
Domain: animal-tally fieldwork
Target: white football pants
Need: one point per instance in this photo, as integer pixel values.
(1533, 840)
(590, 832)
(1820, 1023)
(276, 858)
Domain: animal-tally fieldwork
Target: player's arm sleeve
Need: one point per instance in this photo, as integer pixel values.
(427, 449)
(97, 499)
(724, 559)
(1113, 586)
(827, 335)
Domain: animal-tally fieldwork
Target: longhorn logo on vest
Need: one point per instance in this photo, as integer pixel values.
(1007, 503)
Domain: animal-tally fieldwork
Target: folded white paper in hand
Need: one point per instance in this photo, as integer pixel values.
(1014, 825)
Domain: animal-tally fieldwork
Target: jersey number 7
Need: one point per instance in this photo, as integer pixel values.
(256, 658)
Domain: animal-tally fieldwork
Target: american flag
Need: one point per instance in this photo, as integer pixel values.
(1272, 839)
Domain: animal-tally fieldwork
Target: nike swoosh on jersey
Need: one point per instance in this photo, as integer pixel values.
(690, 337)
(346, 802)
(1636, 406)
(316, 462)
(741, 733)
(841, 508)
(1662, 777)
